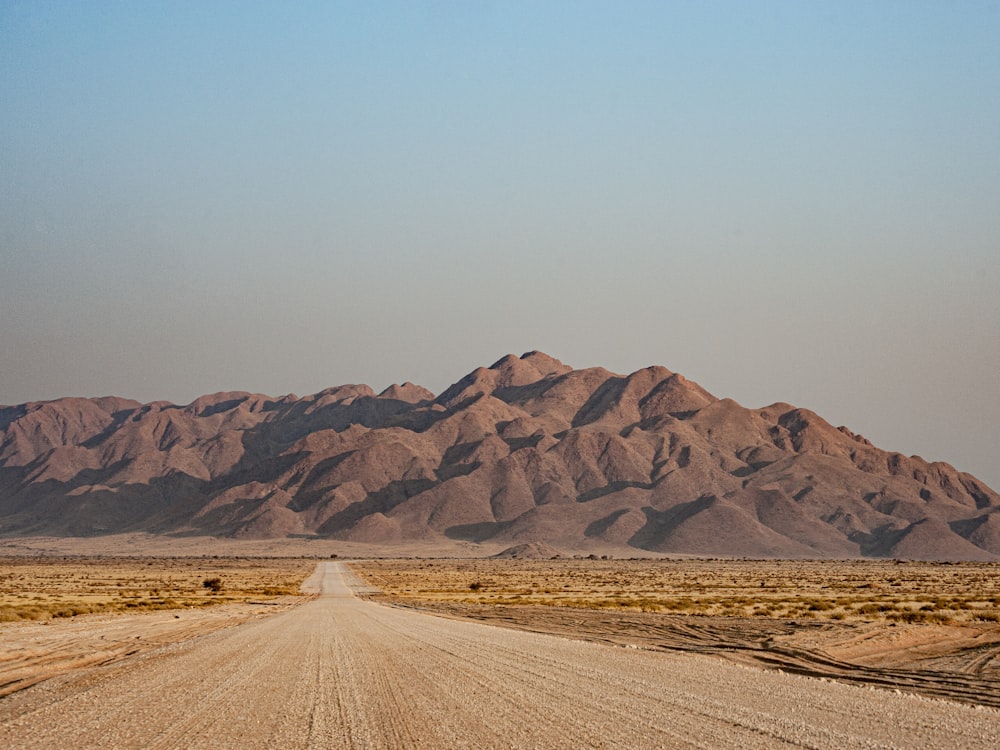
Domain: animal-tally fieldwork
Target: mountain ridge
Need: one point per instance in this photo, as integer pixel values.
(527, 450)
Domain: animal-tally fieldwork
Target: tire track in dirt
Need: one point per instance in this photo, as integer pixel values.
(966, 674)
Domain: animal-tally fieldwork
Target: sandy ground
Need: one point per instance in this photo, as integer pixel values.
(153, 545)
(928, 628)
(960, 663)
(33, 651)
(339, 672)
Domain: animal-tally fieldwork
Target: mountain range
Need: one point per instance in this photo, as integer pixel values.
(527, 450)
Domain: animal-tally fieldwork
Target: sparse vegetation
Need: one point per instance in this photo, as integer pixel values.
(851, 590)
(33, 588)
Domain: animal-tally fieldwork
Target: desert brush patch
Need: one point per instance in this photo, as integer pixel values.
(35, 588)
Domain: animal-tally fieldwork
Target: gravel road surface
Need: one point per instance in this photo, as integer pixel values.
(340, 672)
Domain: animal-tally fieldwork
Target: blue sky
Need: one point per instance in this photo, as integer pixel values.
(793, 201)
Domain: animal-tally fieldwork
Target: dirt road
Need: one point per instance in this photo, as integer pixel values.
(339, 672)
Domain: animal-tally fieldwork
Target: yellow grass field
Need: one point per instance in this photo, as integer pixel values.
(851, 590)
(35, 588)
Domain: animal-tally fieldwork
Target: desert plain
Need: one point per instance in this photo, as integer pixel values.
(76, 625)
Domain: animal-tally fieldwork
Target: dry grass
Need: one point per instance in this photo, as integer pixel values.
(854, 590)
(34, 588)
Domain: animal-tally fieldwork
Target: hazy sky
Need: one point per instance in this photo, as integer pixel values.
(794, 201)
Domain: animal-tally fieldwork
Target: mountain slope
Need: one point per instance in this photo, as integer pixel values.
(527, 450)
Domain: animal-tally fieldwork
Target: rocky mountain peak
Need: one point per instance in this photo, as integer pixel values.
(527, 451)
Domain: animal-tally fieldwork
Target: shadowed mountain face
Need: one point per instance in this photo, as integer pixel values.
(528, 450)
